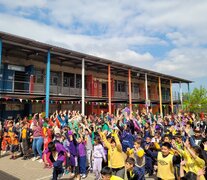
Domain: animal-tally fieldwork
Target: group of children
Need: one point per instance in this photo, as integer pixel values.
(127, 145)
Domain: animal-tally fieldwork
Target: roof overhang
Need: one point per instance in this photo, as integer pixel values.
(95, 63)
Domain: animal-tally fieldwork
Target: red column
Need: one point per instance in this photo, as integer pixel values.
(109, 88)
(130, 91)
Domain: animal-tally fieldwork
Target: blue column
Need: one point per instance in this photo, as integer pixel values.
(47, 102)
(0, 52)
(188, 91)
(188, 88)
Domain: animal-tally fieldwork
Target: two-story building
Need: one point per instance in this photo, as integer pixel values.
(37, 77)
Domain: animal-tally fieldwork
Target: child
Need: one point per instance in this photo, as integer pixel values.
(25, 139)
(132, 171)
(47, 140)
(5, 143)
(14, 140)
(106, 174)
(98, 157)
(117, 158)
(73, 153)
(57, 155)
(166, 161)
(82, 156)
(137, 153)
(66, 145)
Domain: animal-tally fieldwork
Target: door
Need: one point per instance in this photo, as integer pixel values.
(104, 90)
(21, 82)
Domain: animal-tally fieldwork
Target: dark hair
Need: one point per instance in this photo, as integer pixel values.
(191, 176)
(106, 171)
(138, 141)
(130, 160)
(167, 135)
(98, 139)
(51, 146)
(166, 144)
(113, 140)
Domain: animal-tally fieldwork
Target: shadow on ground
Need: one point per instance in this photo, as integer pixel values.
(6, 176)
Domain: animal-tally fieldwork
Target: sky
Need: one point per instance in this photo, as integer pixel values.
(164, 36)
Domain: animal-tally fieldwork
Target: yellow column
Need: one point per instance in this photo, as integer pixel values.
(160, 95)
(171, 97)
(109, 88)
(130, 91)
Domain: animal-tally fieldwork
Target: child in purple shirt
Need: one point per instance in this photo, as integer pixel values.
(82, 156)
(57, 157)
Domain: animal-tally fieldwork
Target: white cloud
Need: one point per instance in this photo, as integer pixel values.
(185, 62)
(117, 29)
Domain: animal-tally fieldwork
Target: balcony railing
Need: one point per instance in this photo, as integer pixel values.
(39, 88)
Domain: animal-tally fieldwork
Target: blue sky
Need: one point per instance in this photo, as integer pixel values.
(164, 36)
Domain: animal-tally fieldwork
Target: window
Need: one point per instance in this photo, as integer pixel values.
(39, 76)
(78, 80)
(69, 80)
(120, 86)
(54, 78)
(136, 88)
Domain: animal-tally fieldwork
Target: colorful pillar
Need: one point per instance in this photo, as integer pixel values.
(160, 95)
(0, 52)
(47, 102)
(83, 88)
(130, 91)
(146, 92)
(109, 88)
(181, 95)
(171, 97)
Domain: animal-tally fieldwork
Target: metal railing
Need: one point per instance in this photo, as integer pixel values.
(39, 88)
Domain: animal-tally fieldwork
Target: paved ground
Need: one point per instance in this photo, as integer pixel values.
(27, 170)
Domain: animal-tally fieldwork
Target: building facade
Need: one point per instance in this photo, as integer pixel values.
(37, 77)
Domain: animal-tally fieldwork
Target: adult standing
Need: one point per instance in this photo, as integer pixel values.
(37, 137)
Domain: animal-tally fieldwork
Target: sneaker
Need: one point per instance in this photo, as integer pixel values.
(34, 158)
(40, 161)
(25, 158)
(3, 152)
(83, 176)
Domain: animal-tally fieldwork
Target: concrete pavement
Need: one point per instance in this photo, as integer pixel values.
(28, 170)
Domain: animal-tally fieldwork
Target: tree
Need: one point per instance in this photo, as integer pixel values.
(196, 101)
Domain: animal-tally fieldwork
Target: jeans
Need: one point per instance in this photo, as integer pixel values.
(37, 146)
(57, 169)
(82, 164)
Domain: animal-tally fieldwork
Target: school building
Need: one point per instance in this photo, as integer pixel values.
(38, 77)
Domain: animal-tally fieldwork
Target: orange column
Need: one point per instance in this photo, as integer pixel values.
(109, 88)
(171, 96)
(130, 91)
(160, 95)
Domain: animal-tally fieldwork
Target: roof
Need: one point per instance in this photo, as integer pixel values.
(90, 60)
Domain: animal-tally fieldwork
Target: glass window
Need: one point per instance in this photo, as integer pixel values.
(68, 80)
(78, 80)
(54, 78)
(120, 86)
(136, 88)
(39, 76)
